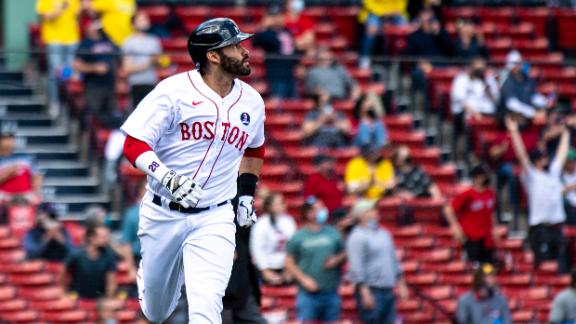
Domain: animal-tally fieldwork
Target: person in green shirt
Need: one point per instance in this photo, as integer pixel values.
(314, 258)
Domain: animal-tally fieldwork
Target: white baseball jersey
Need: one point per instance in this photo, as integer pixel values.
(199, 134)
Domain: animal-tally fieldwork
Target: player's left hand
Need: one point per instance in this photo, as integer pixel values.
(245, 215)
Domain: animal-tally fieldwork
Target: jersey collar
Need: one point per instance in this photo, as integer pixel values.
(199, 83)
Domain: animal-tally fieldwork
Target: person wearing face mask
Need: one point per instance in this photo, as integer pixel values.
(374, 268)
(471, 217)
(314, 259)
(474, 94)
(542, 182)
(369, 175)
(300, 26)
(411, 180)
(268, 239)
(141, 52)
(484, 303)
(92, 269)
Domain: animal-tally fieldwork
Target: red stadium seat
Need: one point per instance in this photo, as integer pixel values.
(70, 316)
(24, 267)
(61, 304)
(422, 279)
(32, 279)
(20, 316)
(12, 305)
(43, 293)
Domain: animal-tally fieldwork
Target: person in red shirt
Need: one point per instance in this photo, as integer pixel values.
(300, 26)
(470, 216)
(324, 184)
(19, 176)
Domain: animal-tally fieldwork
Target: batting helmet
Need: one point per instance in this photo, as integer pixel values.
(213, 34)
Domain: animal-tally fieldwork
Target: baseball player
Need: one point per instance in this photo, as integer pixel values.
(199, 135)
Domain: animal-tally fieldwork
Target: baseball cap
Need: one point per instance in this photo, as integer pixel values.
(512, 59)
(479, 169)
(362, 206)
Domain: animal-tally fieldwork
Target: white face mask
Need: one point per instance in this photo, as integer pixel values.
(297, 6)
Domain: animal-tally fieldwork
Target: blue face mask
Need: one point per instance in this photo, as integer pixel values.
(322, 216)
(372, 224)
(525, 68)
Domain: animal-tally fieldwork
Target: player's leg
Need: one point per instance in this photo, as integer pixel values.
(160, 275)
(208, 258)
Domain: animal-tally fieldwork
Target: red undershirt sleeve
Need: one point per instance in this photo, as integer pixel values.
(133, 148)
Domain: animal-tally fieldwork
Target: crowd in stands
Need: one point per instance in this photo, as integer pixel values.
(339, 223)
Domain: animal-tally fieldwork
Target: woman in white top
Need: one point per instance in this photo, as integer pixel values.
(269, 237)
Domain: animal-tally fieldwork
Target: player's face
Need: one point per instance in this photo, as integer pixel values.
(234, 60)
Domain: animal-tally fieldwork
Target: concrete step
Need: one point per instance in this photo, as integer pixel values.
(13, 76)
(30, 119)
(23, 106)
(43, 135)
(64, 168)
(51, 152)
(77, 203)
(15, 90)
(70, 185)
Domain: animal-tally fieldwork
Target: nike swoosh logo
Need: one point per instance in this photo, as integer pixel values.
(194, 103)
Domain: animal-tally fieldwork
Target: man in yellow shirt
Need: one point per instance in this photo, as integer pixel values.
(373, 15)
(369, 175)
(116, 18)
(61, 34)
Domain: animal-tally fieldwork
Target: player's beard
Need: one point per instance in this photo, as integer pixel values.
(235, 66)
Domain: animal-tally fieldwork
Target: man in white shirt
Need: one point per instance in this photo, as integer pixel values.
(474, 93)
(544, 189)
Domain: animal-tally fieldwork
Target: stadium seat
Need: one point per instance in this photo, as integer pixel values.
(32, 279)
(12, 305)
(69, 316)
(20, 316)
(63, 303)
(24, 267)
(422, 279)
(42, 293)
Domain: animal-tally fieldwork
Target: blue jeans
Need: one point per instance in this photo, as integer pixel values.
(373, 135)
(384, 311)
(285, 89)
(376, 22)
(58, 57)
(317, 306)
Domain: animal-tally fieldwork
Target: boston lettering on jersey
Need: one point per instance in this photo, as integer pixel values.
(205, 130)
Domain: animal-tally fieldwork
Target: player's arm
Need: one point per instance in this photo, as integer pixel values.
(183, 189)
(248, 175)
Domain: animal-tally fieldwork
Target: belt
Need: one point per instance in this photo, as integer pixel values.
(190, 210)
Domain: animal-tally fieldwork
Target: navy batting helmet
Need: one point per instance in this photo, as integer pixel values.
(213, 34)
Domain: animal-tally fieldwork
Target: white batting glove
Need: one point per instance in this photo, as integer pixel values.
(246, 215)
(184, 190)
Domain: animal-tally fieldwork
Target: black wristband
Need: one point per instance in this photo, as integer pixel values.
(247, 184)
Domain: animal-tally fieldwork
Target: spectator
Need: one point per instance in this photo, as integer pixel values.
(324, 183)
(48, 239)
(141, 51)
(315, 254)
(471, 217)
(268, 240)
(411, 180)
(116, 16)
(470, 41)
(370, 129)
(504, 157)
(569, 181)
(374, 14)
(60, 33)
(519, 89)
(374, 267)
(544, 189)
(564, 305)
(474, 94)
(330, 80)
(92, 269)
(369, 175)
(324, 127)
(279, 46)
(19, 176)
(96, 61)
(484, 303)
(429, 42)
(300, 26)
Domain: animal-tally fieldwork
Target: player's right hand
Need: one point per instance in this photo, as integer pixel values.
(184, 190)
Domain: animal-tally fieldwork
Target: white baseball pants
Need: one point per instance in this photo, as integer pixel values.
(192, 249)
